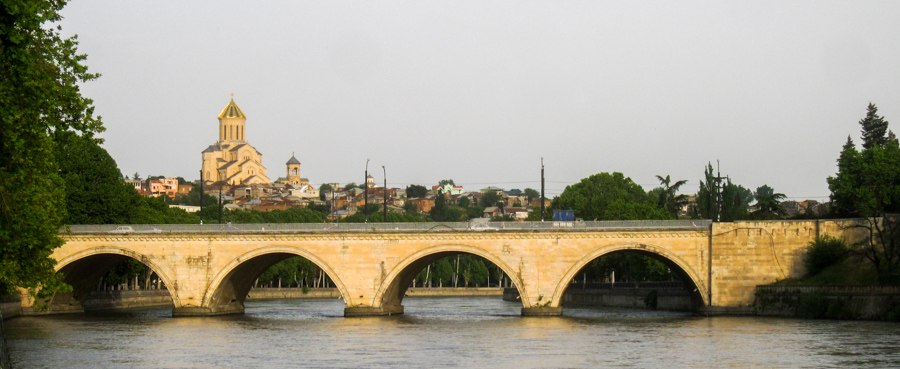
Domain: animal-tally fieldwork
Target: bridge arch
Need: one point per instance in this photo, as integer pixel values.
(395, 283)
(229, 288)
(83, 269)
(660, 253)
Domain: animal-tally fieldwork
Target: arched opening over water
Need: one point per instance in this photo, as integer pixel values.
(632, 276)
(109, 270)
(284, 267)
(444, 266)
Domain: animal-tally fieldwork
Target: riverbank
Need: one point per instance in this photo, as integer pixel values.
(662, 298)
(829, 302)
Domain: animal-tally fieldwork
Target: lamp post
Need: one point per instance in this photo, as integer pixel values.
(542, 189)
(385, 193)
(366, 199)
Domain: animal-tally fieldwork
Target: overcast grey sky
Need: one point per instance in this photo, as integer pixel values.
(479, 91)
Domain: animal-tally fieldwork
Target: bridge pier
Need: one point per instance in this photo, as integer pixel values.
(542, 311)
(356, 311)
(195, 311)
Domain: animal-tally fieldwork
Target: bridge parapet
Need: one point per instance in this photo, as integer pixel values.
(387, 227)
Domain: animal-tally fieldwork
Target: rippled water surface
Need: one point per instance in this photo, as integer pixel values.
(444, 332)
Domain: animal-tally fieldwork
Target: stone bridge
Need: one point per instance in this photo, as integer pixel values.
(210, 269)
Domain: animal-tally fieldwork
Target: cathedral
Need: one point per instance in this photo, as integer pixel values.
(231, 160)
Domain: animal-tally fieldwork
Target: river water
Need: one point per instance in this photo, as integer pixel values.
(444, 332)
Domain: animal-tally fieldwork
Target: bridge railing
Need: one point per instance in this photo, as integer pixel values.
(382, 227)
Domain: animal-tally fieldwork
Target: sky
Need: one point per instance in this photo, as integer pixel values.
(481, 91)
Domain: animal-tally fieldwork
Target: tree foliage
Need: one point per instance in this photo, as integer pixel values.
(445, 182)
(490, 198)
(606, 196)
(669, 198)
(94, 190)
(531, 194)
(768, 204)
(40, 74)
(628, 267)
(874, 128)
(867, 185)
(735, 204)
(416, 191)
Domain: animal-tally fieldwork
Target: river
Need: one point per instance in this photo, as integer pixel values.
(444, 332)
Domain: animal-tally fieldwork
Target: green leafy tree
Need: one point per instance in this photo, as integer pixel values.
(352, 185)
(867, 185)
(475, 211)
(606, 196)
(437, 211)
(463, 202)
(768, 203)
(445, 182)
(668, 198)
(324, 189)
(490, 198)
(95, 192)
(416, 191)
(410, 207)
(531, 194)
(735, 200)
(40, 75)
(628, 267)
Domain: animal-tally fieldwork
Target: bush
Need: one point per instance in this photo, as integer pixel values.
(823, 252)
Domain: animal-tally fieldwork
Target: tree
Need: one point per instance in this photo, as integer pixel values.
(735, 202)
(463, 202)
(531, 194)
(490, 198)
(437, 211)
(416, 191)
(324, 189)
(768, 203)
(874, 128)
(668, 199)
(94, 190)
(40, 75)
(352, 185)
(445, 182)
(410, 207)
(867, 185)
(606, 196)
(137, 176)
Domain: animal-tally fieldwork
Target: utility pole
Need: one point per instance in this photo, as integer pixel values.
(718, 194)
(221, 185)
(542, 189)
(201, 196)
(385, 193)
(366, 200)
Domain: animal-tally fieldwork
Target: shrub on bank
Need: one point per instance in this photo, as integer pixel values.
(823, 252)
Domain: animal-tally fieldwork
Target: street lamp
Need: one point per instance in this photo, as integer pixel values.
(366, 200)
(385, 193)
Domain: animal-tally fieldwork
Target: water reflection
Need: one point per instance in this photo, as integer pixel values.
(443, 332)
